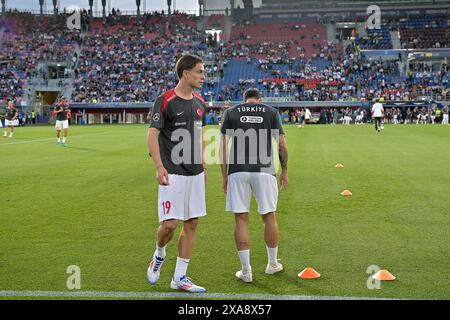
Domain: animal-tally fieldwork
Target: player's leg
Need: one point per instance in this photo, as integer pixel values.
(164, 234)
(5, 132)
(11, 132)
(170, 211)
(186, 244)
(194, 206)
(239, 194)
(64, 140)
(58, 131)
(65, 126)
(65, 136)
(265, 188)
(270, 230)
(271, 238)
(242, 239)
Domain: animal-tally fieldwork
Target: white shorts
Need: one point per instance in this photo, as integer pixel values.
(62, 124)
(10, 123)
(240, 187)
(183, 198)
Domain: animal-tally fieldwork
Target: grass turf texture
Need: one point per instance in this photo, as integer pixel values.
(94, 204)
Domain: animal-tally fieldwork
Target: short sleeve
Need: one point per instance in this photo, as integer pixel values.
(225, 122)
(157, 120)
(277, 122)
(204, 115)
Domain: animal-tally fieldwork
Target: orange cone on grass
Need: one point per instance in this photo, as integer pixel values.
(309, 273)
(346, 193)
(383, 275)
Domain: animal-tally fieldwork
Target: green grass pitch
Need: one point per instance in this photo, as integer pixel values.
(93, 205)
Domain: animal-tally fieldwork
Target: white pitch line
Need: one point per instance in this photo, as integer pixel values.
(171, 295)
(70, 138)
(29, 141)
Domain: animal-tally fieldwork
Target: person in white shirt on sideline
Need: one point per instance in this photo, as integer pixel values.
(377, 114)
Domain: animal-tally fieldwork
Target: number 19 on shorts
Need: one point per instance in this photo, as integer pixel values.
(166, 207)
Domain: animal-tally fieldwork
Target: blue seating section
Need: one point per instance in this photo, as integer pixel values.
(376, 39)
(425, 22)
(239, 69)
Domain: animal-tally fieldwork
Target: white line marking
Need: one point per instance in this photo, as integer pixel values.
(172, 295)
(69, 138)
(29, 141)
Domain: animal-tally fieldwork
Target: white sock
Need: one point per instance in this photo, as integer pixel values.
(244, 255)
(180, 269)
(272, 254)
(64, 140)
(160, 252)
(59, 139)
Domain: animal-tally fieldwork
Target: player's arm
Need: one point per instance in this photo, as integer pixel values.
(153, 146)
(157, 124)
(283, 155)
(223, 150)
(205, 170)
(202, 143)
(282, 149)
(223, 154)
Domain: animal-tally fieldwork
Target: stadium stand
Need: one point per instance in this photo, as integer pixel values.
(122, 59)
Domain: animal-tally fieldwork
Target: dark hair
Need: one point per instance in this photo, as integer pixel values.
(252, 93)
(187, 62)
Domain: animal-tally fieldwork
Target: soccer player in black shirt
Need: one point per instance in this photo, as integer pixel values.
(175, 141)
(11, 116)
(250, 169)
(62, 112)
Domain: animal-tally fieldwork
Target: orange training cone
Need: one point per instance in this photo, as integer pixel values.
(383, 275)
(339, 165)
(346, 193)
(309, 273)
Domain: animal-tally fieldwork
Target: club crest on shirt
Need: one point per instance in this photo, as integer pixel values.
(200, 112)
